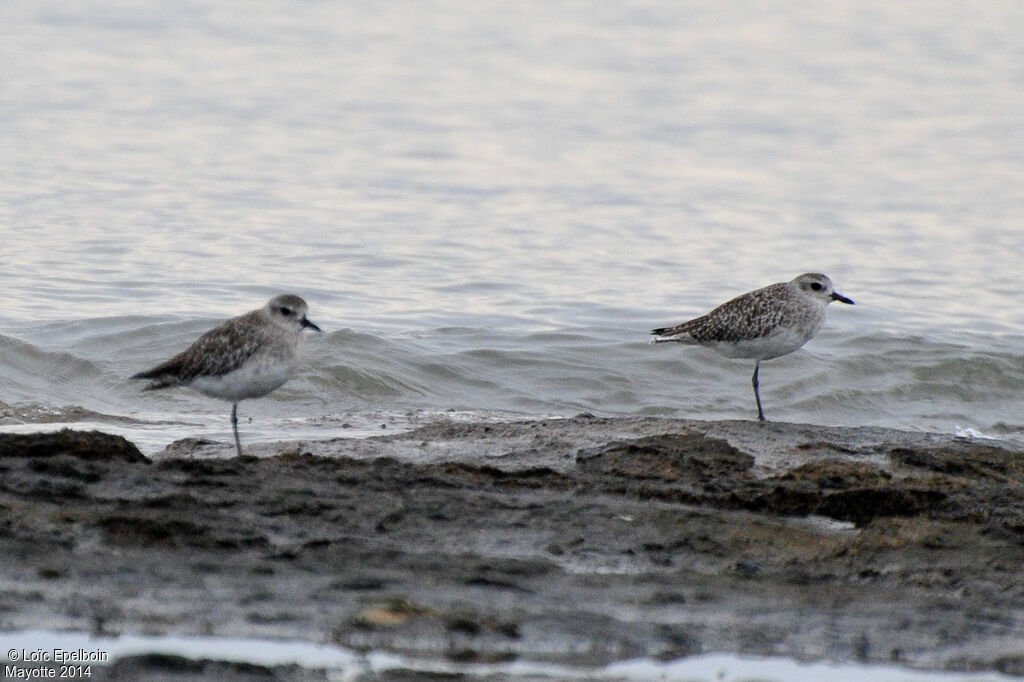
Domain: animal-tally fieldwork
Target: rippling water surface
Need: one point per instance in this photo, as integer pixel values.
(487, 206)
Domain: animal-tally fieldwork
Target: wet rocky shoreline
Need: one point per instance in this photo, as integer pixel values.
(576, 541)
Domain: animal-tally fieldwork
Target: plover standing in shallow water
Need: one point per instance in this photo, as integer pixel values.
(246, 357)
(761, 324)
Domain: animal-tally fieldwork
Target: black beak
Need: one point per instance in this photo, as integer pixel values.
(306, 324)
(841, 298)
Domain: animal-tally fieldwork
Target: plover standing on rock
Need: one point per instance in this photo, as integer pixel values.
(761, 324)
(246, 357)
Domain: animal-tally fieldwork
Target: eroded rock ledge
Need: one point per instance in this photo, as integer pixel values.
(533, 540)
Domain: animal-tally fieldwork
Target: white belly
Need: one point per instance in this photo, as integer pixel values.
(255, 378)
(784, 341)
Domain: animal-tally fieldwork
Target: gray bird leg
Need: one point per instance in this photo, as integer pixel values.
(757, 394)
(238, 443)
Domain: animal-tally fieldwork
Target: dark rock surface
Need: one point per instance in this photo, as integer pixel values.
(579, 541)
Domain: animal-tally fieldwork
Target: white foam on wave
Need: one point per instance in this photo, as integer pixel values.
(345, 664)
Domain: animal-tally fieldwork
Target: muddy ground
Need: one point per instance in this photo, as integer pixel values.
(578, 541)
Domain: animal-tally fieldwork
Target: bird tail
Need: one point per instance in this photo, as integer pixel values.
(158, 378)
(677, 334)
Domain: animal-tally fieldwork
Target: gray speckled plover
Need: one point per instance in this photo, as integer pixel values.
(246, 357)
(761, 324)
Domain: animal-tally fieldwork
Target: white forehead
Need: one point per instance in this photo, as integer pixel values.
(812, 277)
(290, 301)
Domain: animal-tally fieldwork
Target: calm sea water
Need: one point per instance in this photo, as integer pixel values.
(488, 204)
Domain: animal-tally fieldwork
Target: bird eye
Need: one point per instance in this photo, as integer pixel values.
(817, 286)
(286, 311)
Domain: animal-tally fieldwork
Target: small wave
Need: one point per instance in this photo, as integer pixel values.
(34, 413)
(881, 378)
(33, 373)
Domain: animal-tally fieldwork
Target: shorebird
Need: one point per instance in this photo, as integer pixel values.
(761, 324)
(246, 357)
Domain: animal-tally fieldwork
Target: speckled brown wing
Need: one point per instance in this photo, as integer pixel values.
(749, 316)
(219, 351)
